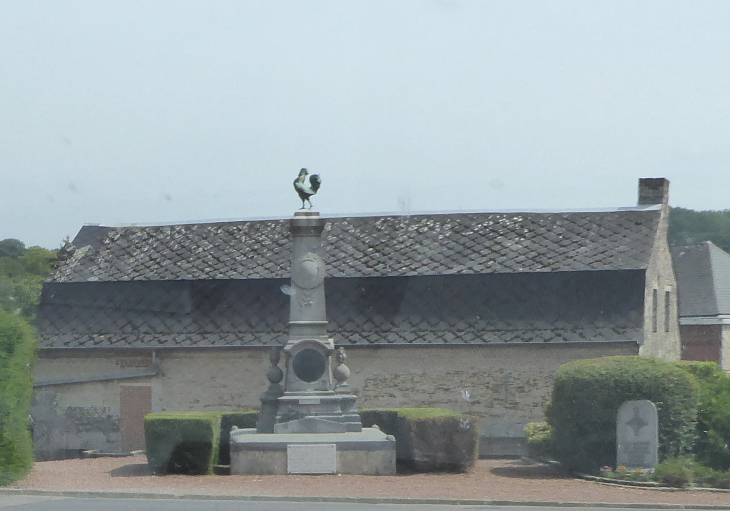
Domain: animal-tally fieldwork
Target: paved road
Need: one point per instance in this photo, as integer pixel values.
(34, 503)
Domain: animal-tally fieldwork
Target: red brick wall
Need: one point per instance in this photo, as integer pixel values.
(701, 342)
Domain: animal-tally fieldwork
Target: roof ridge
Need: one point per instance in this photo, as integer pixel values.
(386, 214)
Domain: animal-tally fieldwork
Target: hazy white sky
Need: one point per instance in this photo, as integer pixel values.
(170, 111)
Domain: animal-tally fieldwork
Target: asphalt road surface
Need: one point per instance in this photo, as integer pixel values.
(34, 503)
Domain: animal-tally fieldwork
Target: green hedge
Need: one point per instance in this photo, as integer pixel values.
(713, 418)
(429, 439)
(539, 441)
(242, 419)
(182, 442)
(585, 401)
(17, 354)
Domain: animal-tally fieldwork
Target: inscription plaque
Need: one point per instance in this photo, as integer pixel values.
(311, 458)
(637, 437)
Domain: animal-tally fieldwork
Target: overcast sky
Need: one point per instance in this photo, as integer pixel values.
(171, 111)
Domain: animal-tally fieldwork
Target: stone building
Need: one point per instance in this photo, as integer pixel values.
(469, 311)
(703, 281)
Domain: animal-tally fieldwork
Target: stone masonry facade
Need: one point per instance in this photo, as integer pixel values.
(507, 387)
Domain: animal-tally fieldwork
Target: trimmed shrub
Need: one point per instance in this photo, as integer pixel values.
(242, 419)
(429, 439)
(17, 354)
(586, 398)
(182, 442)
(539, 440)
(386, 419)
(713, 417)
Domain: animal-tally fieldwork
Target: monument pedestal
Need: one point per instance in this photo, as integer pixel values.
(368, 452)
(337, 408)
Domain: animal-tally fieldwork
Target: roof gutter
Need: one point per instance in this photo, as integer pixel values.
(153, 370)
(720, 319)
(61, 349)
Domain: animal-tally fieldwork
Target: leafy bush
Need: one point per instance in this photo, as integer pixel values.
(684, 470)
(182, 442)
(713, 418)
(585, 401)
(713, 478)
(539, 440)
(17, 354)
(241, 419)
(429, 439)
(706, 476)
(677, 472)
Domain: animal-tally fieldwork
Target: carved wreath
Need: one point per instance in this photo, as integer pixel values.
(308, 272)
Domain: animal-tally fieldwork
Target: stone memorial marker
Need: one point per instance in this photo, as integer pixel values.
(637, 435)
(305, 422)
(311, 459)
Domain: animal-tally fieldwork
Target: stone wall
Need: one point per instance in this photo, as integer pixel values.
(507, 385)
(725, 350)
(86, 415)
(661, 330)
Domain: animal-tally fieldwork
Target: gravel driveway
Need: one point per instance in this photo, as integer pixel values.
(499, 480)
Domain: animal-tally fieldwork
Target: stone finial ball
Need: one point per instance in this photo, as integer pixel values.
(341, 373)
(274, 374)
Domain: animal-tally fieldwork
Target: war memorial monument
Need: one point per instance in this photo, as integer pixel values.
(311, 424)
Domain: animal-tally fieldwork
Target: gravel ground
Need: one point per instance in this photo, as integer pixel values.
(514, 480)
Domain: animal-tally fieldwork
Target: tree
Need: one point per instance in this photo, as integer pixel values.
(22, 271)
(38, 261)
(688, 226)
(11, 248)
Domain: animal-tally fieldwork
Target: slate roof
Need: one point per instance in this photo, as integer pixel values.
(461, 278)
(703, 279)
(376, 246)
(448, 309)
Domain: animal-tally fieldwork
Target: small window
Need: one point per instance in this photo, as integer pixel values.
(667, 301)
(654, 305)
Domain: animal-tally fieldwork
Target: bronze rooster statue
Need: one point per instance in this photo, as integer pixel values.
(304, 191)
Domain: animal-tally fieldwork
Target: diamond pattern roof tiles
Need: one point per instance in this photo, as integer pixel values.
(451, 309)
(439, 244)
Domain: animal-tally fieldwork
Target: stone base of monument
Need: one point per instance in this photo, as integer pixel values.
(368, 452)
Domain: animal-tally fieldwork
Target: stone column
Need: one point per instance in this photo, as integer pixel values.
(307, 310)
(308, 349)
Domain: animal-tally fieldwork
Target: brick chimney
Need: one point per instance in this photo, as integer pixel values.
(653, 190)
